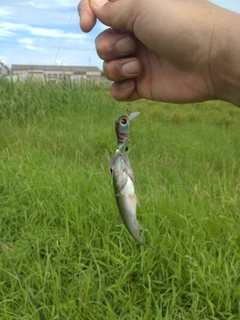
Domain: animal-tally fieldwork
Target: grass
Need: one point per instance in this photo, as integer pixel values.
(58, 213)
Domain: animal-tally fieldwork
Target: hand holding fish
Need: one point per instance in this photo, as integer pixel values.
(167, 50)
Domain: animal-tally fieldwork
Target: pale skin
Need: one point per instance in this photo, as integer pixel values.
(179, 51)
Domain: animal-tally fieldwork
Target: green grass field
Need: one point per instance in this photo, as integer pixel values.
(58, 213)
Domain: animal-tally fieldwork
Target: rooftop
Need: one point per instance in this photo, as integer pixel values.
(74, 69)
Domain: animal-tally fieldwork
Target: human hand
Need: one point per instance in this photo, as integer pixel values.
(172, 47)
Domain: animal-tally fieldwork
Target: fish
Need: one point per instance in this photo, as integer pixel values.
(122, 127)
(126, 199)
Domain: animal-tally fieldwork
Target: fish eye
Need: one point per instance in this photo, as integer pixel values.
(123, 121)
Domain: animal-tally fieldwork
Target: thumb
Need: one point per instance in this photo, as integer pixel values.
(117, 14)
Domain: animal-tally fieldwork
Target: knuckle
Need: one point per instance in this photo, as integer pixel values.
(113, 71)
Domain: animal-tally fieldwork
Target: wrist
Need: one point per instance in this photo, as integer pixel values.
(225, 57)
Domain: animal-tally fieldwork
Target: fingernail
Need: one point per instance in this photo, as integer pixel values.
(127, 84)
(130, 68)
(125, 46)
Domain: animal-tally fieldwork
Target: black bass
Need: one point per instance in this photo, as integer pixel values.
(126, 199)
(122, 127)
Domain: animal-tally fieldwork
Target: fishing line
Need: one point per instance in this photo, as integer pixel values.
(128, 107)
(128, 113)
(63, 37)
(36, 305)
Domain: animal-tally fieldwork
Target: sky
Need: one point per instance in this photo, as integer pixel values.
(48, 32)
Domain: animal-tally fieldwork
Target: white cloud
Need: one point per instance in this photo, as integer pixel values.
(53, 4)
(32, 48)
(60, 63)
(6, 11)
(3, 58)
(7, 29)
(5, 33)
(39, 5)
(26, 41)
(12, 26)
(54, 33)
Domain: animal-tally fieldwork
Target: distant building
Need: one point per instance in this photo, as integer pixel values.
(56, 73)
(4, 70)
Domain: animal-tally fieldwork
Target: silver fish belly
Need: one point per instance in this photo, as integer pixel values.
(126, 199)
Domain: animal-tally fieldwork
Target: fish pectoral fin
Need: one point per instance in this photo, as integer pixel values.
(139, 227)
(118, 194)
(138, 202)
(134, 199)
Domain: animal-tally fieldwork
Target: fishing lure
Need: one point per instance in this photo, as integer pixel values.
(122, 127)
